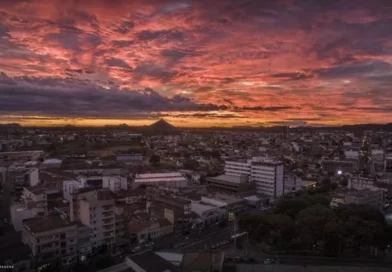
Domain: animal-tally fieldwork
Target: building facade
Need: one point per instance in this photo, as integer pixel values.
(96, 210)
(51, 238)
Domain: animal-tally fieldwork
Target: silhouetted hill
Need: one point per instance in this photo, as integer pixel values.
(162, 125)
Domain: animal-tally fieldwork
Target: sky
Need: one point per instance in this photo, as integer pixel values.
(196, 63)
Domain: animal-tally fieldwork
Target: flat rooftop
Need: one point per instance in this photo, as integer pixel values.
(47, 223)
(226, 178)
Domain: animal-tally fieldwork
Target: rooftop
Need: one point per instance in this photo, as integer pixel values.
(226, 178)
(151, 262)
(46, 223)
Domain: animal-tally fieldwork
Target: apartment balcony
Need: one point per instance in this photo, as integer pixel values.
(108, 221)
(108, 207)
(108, 214)
(108, 227)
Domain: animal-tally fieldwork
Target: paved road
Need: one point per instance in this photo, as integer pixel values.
(194, 240)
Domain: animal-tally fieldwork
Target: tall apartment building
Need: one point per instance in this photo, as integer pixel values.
(267, 174)
(96, 210)
(51, 238)
(269, 178)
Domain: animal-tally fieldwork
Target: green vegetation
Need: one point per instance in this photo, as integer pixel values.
(308, 225)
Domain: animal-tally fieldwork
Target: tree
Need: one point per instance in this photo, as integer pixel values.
(311, 222)
(290, 206)
(155, 159)
(281, 230)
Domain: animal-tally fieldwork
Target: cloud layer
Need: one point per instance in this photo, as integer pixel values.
(197, 62)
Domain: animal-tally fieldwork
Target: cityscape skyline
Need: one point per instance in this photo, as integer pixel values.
(195, 63)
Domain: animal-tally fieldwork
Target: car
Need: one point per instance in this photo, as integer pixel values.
(135, 249)
(268, 261)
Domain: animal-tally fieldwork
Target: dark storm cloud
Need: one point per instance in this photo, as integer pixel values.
(292, 76)
(173, 53)
(125, 27)
(259, 108)
(114, 62)
(67, 40)
(81, 98)
(147, 35)
(362, 68)
(122, 43)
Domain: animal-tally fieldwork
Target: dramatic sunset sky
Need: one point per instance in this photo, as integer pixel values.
(196, 62)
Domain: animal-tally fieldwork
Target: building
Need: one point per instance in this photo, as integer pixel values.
(269, 178)
(84, 241)
(91, 180)
(208, 214)
(130, 158)
(233, 205)
(19, 176)
(21, 156)
(351, 154)
(51, 238)
(96, 210)
(238, 168)
(149, 230)
(237, 185)
(268, 175)
(372, 197)
(203, 261)
(168, 180)
(339, 166)
(144, 262)
(22, 211)
(115, 183)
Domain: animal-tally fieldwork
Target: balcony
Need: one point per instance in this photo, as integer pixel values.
(108, 221)
(108, 207)
(107, 214)
(108, 227)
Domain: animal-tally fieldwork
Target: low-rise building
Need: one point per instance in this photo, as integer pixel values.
(115, 183)
(237, 185)
(22, 211)
(169, 180)
(372, 197)
(51, 238)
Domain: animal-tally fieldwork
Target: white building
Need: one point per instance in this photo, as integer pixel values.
(51, 163)
(238, 168)
(269, 178)
(268, 175)
(96, 210)
(115, 183)
(70, 187)
(351, 154)
(169, 180)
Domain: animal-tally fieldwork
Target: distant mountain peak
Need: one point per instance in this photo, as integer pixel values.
(162, 124)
